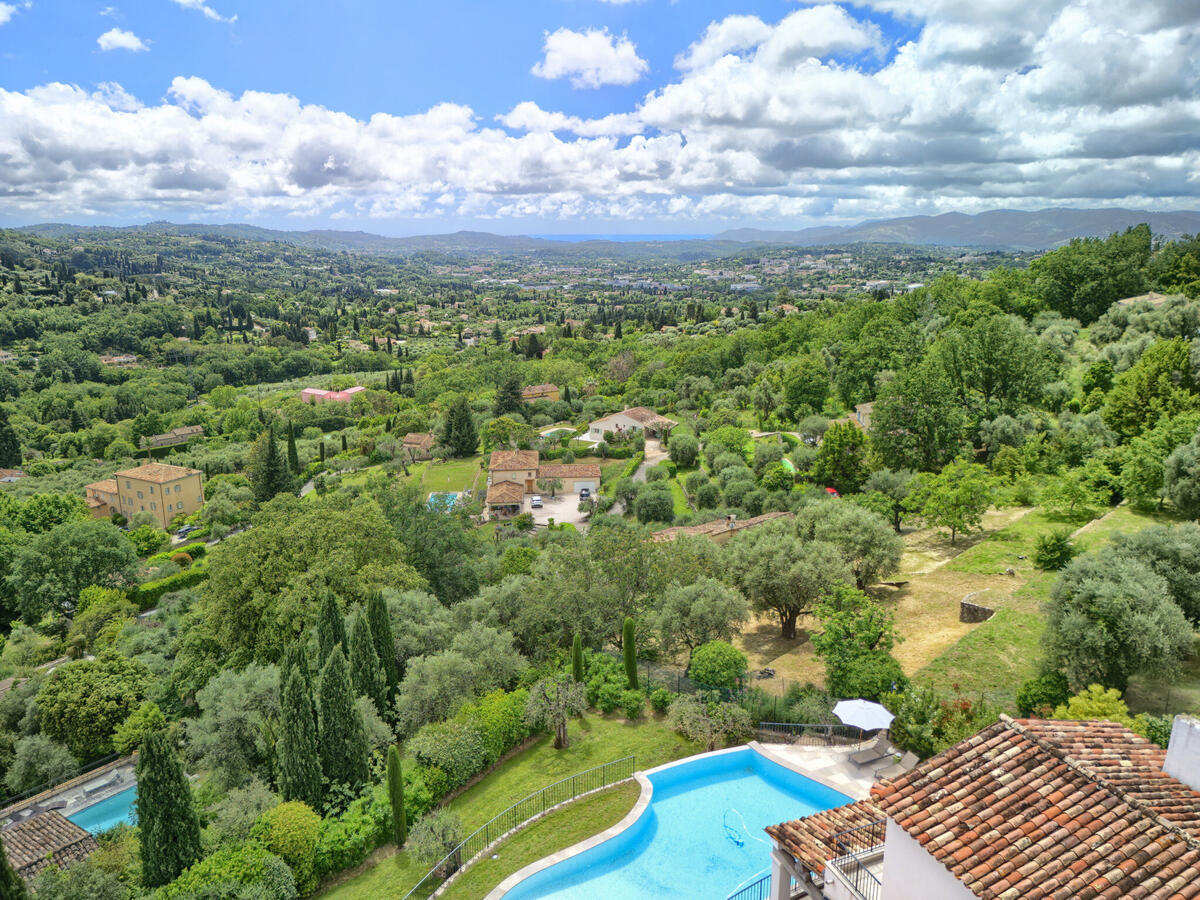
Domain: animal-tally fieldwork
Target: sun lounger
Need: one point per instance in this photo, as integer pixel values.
(895, 770)
(880, 749)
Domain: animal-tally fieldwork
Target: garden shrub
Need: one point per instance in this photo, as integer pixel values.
(181, 559)
(660, 699)
(718, 664)
(248, 865)
(657, 473)
(346, 840)
(147, 595)
(1054, 550)
(867, 676)
(608, 698)
(434, 836)
(418, 798)
(457, 748)
(603, 670)
(1039, 696)
(146, 718)
(500, 718)
(290, 831)
(633, 703)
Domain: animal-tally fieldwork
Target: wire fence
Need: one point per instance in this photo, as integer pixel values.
(47, 785)
(852, 849)
(810, 734)
(519, 813)
(756, 890)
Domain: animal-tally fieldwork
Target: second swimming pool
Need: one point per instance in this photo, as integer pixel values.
(700, 837)
(107, 813)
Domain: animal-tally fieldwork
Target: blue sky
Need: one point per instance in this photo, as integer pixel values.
(584, 115)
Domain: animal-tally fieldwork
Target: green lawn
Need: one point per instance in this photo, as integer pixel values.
(594, 740)
(555, 832)
(992, 660)
(454, 475)
(681, 504)
(1174, 695)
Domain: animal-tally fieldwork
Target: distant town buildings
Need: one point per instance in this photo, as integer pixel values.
(172, 438)
(123, 361)
(316, 395)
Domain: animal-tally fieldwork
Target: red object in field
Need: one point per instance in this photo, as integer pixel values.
(832, 491)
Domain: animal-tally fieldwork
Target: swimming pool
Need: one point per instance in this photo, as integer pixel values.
(104, 815)
(442, 501)
(700, 837)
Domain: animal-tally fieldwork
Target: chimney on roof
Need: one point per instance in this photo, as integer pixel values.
(1183, 751)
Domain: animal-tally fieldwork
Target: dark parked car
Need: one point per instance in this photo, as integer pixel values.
(585, 494)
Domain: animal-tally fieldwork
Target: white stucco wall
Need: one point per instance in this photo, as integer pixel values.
(1183, 753)
(909, 873)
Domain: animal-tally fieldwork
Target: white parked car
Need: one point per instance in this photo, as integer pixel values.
(536, 502)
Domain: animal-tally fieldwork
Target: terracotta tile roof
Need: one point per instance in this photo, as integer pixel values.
(43, 840)
(643, 415)
(420, 439)
(569, 470)
(107, 486)
(716, 526)
(538, 390)
(159, 473)
(509, 460)
(810, 839)
(1064, 810)
(506, 493)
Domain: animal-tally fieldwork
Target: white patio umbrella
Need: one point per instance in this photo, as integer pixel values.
(865, 714)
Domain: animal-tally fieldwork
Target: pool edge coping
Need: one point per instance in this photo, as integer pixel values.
(631, 817)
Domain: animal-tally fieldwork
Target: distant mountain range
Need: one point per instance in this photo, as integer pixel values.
(997, 229)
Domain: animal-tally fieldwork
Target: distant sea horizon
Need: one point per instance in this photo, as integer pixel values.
(625, 238)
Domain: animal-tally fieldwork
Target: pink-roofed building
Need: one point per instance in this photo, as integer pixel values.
(316, 395)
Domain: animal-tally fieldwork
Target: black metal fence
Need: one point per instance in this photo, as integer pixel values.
(519, 813)
(851, 849)
(810, 734)
(756, 890)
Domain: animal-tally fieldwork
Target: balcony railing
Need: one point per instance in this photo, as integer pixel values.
(854, 852)
(821, 735)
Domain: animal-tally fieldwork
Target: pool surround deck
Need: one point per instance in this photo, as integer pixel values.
(829, 766)
(74, 791)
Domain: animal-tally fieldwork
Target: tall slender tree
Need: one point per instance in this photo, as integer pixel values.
(10, 446)
(299, 753)
(366, 672)
(268, 470)
(343, 740)
(577, 657)
(293, 457)
(168, 828)
(395, 783)
(331, 630)
(385, 641)
(629, 649)
(459, 432)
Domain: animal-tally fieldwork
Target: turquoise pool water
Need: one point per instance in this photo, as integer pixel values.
(700, 837)
(104, 815)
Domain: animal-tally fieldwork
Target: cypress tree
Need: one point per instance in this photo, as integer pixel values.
(459, 432)
(344, 445)
(331, 630)
(395, 782)
(577, 658)
(299, 756)
(629, 649)
(168, 827)
(12, 887)
(385, 641)
(343, 741)
(10, 447)
(269, 474)
(292, 456)
(322, 450)
(366, 672)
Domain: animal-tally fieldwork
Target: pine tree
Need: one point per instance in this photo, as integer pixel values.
(343, 741)
(10, 447)
(508, 397)
(292, 456)
(459, 433)
(299, 756)
(629, 649)
(168, 827)
(12, 887)
(331, 629)
(385, 641)
(395, 783)
(577, 658)
(268, 470)
(366, 672)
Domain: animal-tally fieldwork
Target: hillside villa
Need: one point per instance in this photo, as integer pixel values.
(514, 473)
(624, 424)
(163, 490)
(537, 392)
(172, 438)
(1024, 810)
(419, 444)
(316, 395)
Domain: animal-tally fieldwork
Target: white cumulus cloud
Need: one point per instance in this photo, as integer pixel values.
(203, 7)
(590, 59)
(120, 39)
